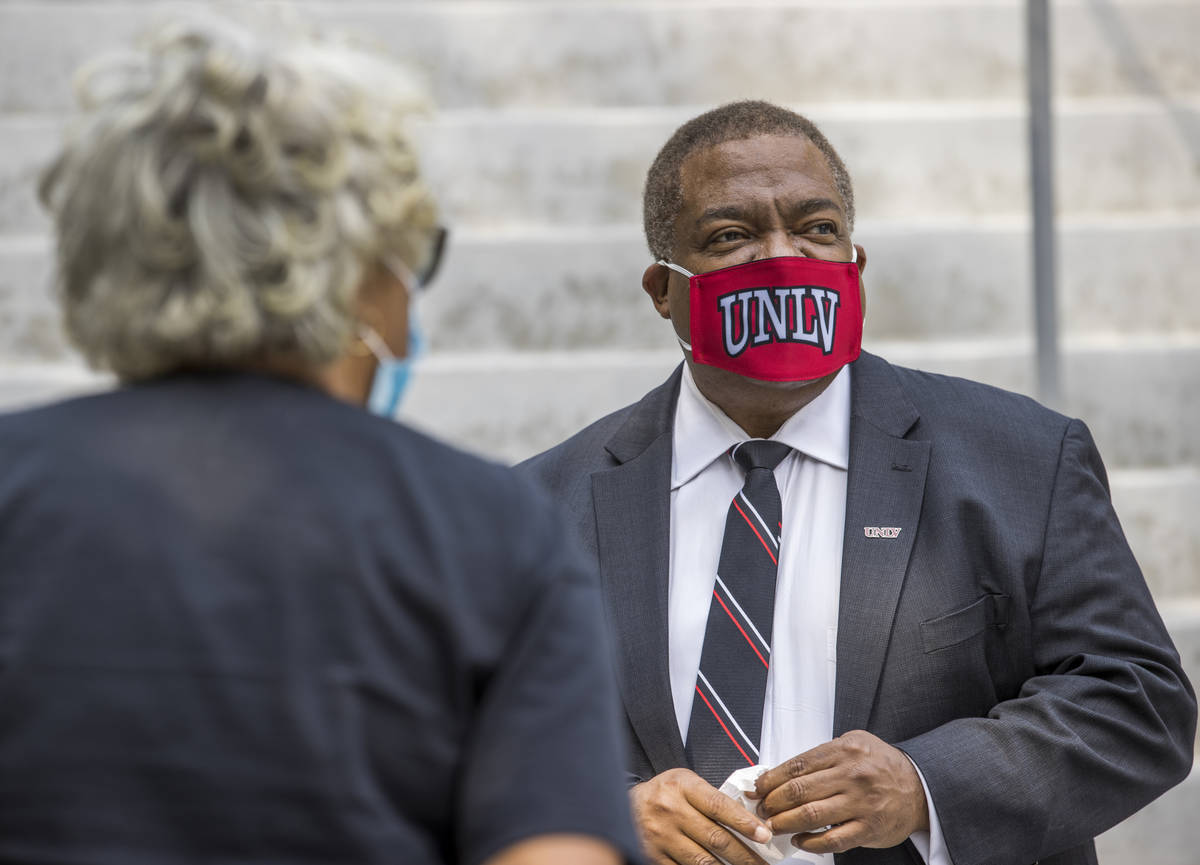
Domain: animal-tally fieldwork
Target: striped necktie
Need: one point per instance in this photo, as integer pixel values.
(726, 720)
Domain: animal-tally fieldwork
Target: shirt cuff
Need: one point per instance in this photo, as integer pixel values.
(932, 844)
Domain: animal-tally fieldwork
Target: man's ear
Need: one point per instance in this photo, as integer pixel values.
(862, 258)
(655, 280)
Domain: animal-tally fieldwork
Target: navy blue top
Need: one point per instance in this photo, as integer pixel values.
(241, 621)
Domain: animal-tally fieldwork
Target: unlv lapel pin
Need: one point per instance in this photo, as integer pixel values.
(881, 531)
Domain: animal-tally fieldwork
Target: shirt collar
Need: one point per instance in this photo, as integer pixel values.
(820, 430)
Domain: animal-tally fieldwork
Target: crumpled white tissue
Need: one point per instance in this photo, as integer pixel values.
(736, 787)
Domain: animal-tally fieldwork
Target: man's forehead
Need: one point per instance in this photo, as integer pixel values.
(781, 164)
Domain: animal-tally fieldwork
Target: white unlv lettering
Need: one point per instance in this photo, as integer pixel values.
(813, 324)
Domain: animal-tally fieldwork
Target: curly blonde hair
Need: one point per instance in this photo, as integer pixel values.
(224, 193)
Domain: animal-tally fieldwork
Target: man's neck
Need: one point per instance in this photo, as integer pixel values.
(759, 408)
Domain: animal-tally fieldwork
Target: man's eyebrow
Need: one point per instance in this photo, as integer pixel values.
(799, 209)
(730, 211)
(812, 205)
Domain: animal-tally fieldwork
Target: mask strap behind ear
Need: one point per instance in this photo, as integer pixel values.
(689, 275)
(402, 272)
(675, 267)
(371, 338)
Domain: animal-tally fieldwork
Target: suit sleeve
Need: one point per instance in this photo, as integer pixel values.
(1108, 719)
(545, 750)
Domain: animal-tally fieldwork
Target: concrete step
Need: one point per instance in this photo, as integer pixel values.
(588, 167)
(1158, 510)
(564, 289)
(1166, 832)
(1181, 615)
(924, 158)
(629, 52)
(30, 328)
(24, 385)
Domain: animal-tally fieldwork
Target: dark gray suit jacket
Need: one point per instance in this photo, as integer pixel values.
(1005, 639)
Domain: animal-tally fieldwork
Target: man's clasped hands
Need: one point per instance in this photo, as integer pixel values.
(867, 792)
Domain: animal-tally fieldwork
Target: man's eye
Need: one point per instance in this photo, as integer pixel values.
(729, 235)
(823, 228)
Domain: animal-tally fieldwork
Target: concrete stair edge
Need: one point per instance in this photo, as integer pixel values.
(556, 169)
(672, 52)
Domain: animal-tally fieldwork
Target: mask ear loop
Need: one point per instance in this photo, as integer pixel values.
(368, 341)
(675, 267)
(413, 287)
(402, 272)
(373, 341)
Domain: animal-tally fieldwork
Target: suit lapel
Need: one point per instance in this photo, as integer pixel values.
(885, 488)
(633, 529)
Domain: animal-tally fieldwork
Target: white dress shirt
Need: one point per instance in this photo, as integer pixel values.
(798, 707)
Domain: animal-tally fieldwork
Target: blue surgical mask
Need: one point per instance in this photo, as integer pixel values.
(392, 374)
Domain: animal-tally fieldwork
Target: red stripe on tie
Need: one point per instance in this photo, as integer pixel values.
(756, 534)
(723, 727)
(733, 619)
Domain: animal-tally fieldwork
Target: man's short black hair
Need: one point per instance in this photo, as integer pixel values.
(663, 196)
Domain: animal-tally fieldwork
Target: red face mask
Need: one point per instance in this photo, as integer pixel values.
(777, 319)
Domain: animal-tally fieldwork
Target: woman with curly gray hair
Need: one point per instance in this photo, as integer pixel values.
(229, 201)
(241, 619)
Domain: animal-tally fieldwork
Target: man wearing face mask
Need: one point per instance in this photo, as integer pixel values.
(891, 615)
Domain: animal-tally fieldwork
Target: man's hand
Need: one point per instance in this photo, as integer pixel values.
(682, 819)
(866, 790)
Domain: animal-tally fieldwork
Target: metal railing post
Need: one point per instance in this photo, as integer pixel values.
(1041, 162)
